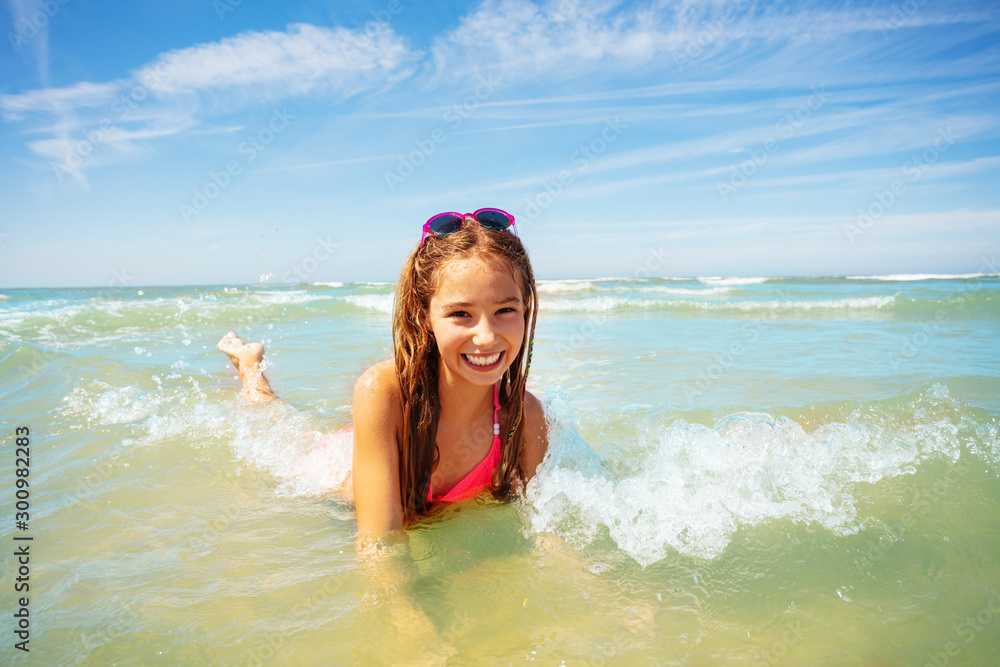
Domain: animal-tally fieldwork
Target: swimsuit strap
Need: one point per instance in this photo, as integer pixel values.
(496, 414)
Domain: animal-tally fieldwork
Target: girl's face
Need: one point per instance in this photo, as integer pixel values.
(477, 316)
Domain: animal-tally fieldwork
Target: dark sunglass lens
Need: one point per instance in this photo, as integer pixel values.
(445, 224)
(493, 219)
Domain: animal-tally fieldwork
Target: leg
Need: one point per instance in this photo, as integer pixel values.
(247, 357)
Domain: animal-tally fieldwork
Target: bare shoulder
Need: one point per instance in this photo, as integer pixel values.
(377, 388)
(376, 406)
(533, 408)
(378, 381)
(536, 439)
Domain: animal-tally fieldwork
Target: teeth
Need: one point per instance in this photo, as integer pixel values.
(483, 361)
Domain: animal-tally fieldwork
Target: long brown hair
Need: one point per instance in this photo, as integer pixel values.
(417, 358)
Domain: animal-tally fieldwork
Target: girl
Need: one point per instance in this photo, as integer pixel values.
(449, 416)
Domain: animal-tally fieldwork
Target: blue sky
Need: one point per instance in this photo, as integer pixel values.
(221, 142)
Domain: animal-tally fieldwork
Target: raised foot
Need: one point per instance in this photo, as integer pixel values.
(245, 356)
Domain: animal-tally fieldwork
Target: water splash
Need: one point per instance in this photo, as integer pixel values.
(693, 486)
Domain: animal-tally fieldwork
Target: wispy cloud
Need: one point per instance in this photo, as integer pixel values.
(58, 100)
(178, 88)
(30, 36)
(302, 59)
(566, 39)
(525, 40)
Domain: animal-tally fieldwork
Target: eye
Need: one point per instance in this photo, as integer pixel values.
(459, 313)
(507, 310)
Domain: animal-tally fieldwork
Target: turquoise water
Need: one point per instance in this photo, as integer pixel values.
(741, 471)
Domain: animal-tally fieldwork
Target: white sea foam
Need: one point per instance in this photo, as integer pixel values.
(304, 462)
(855, 303)
(596, 304)
(332, 284)
(716, 280)
(606, 303)
(278, 439)
(698, 485)
(689, 490)
(907, 277)
(550, 286)
(286, 297)
(378, 302)
(686, 291)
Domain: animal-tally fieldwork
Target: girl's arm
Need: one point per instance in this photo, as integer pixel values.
(377, 414)
(382, 546)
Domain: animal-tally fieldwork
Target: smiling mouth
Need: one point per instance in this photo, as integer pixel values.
(483, 361)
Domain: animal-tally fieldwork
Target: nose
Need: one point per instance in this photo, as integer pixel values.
(484, 336)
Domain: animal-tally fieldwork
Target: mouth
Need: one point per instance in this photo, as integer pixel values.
(483, 362)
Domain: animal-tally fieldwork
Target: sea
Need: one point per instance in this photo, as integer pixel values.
(741, 471)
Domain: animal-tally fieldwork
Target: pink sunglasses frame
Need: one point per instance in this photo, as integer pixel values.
(465, 217)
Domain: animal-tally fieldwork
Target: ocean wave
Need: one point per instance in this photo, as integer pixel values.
(909, 277)
(716, 280)
(607, 303)
(550, 286)
(331, 284)
(696, 485)
(278, 439)
(286, 297)
(854, 303)
(689, 489)
(381, 303)
(686, 291)
(595, 304)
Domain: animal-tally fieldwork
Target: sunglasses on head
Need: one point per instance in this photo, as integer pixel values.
(443, 224)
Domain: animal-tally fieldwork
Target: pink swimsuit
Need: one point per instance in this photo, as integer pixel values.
(481, 476)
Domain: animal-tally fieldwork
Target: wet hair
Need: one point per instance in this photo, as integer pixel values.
(417, 358)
